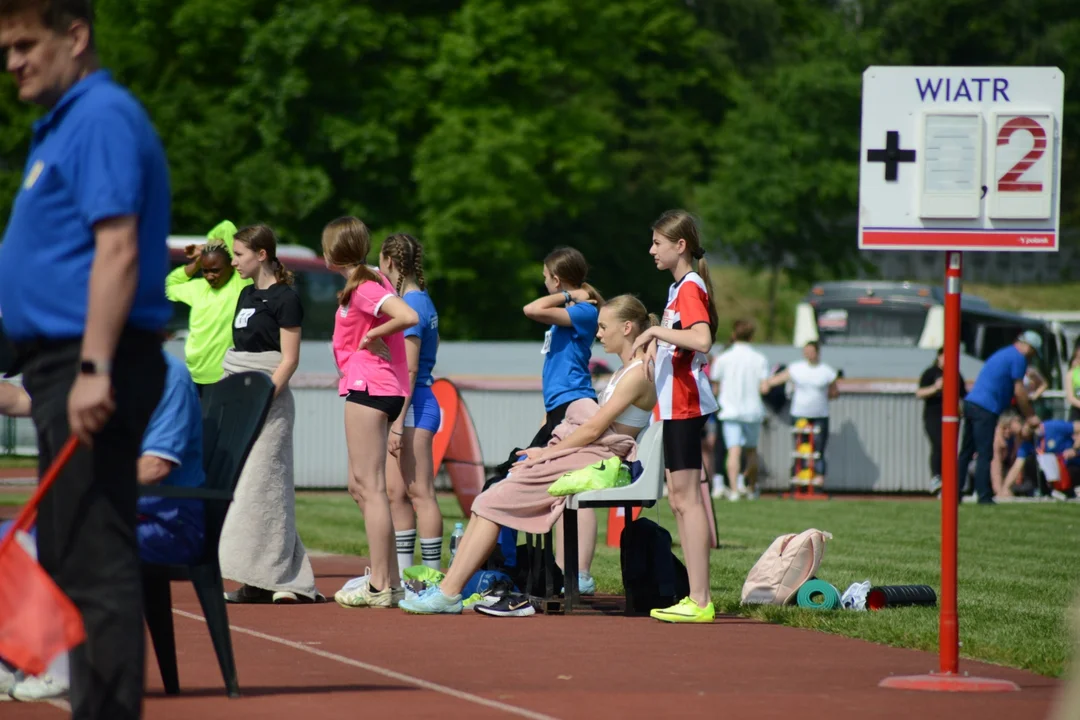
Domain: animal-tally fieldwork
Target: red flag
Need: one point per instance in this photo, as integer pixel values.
(37, 621)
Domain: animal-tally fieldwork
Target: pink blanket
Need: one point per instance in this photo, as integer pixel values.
(521, 500)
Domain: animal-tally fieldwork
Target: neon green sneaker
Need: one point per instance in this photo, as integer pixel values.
(686, 611)
(423, 573)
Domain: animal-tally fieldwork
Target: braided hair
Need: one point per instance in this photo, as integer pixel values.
(408, 257)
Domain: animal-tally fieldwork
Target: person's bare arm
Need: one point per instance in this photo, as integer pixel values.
(1040, 385)
(152, 469)
(114, 275)
(290, 358)
(412, 356)
(14, 401)
(1070, 391)
(1022, 400)
(778, 379)
(551, 309)
(697, 337)
(930, 391)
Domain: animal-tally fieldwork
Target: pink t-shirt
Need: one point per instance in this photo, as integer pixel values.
(362, 369)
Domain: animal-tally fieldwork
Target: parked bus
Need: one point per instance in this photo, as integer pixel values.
(903, 314)
(317, 286)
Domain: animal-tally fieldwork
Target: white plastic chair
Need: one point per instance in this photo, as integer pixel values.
(645, 492)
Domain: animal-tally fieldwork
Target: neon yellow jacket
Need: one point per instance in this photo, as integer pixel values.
(211, 318)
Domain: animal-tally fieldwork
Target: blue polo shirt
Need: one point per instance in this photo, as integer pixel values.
(175, 433)
(993, 389)
(93, 157)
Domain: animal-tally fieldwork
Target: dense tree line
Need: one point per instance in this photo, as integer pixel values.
(498, 129)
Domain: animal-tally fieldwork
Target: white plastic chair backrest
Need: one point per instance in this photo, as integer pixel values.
(650, 453)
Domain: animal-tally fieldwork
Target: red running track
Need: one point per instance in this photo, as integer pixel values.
(311, 661)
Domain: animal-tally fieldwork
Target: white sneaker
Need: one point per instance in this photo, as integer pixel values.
(733, 495)
(40, 687)
(718, 492)
(8, 680)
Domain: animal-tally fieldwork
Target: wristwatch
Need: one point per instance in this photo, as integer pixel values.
(567, 297)
(94, 367)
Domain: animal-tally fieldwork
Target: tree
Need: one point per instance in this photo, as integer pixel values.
(785, 188)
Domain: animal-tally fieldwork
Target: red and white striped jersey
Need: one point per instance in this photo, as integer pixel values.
(682, 376)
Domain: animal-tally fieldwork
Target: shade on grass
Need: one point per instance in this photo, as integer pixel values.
(1019, 566)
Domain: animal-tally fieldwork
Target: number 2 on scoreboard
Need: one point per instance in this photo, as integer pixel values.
(1022, 171)
(1010, 181)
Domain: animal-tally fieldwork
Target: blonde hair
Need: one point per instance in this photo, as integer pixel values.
(346, 242)
(262, 238)
(627, 308)
(678, 225)
(568, 264)
(408, 257)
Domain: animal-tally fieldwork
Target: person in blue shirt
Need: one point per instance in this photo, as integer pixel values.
(82, 286)
(1001, 378)
(572, 309)
(410, 473)
(169, 531)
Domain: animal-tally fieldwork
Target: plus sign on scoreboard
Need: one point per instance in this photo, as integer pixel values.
(960, 158)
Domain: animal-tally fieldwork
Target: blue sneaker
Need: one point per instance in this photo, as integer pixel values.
(432, 602)
(586, 584)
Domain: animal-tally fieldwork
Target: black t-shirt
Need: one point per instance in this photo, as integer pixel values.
(934, 402)
(260, 315)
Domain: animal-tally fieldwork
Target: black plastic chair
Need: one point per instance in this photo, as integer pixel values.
(233, 413)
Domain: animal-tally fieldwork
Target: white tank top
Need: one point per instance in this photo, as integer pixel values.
(632, 416)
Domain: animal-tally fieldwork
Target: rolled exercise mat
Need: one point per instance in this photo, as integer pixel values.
(817, 595)
(900, 596)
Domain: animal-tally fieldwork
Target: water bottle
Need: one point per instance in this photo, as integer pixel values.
(455, 540)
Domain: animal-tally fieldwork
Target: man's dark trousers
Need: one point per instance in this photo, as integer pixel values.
(86, 522)
(979, 427)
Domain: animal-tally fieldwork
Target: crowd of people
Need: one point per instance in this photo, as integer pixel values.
(1006, 449)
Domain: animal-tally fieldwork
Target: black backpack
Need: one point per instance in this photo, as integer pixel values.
(652, 576)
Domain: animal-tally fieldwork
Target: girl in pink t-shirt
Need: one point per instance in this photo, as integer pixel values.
(369, 349)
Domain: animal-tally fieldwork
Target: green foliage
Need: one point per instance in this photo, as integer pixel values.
(498, 130)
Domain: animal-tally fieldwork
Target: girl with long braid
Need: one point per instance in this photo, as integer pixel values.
(410, 474)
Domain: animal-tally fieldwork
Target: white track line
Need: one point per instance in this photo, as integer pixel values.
(402, 677)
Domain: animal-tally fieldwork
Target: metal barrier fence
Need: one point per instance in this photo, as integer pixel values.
(876, 438)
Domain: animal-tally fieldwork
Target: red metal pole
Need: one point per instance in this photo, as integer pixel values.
(949, 629)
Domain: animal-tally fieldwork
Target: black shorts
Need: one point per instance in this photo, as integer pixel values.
(551, 421)
(389, 404)
(682, 443)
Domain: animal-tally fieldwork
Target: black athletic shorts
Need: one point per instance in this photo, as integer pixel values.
(389, 404)
(682, 443)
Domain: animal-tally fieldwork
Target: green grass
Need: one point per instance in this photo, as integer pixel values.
(1017, 567)
(18, 461)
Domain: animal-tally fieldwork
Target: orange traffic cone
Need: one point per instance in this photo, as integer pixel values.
(616, 521)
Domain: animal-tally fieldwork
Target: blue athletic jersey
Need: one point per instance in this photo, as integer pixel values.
(567, 351)
(428, 332)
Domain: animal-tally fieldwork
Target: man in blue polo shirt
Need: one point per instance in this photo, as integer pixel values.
(1001, 378)
(82, 277)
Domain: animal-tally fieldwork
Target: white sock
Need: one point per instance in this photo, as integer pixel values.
(431, 552)
(740, 483)
(718, 482)
(406, 546)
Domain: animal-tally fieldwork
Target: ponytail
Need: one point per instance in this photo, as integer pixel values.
(360, 275)
(703, 271)
(594, 295)
(283, 274)
(653, 320)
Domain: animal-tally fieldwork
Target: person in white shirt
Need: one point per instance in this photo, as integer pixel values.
(739, 372)
(815, 386)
